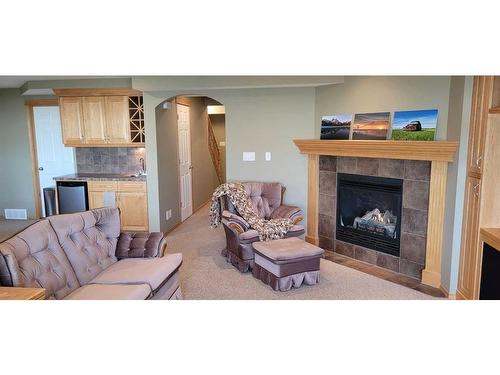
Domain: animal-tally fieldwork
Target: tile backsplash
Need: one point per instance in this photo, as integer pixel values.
(113, 160)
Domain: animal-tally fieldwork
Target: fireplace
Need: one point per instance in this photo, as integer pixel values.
(369, 211)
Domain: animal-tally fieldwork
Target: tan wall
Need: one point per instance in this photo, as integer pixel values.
(168, 166)
(257, 120)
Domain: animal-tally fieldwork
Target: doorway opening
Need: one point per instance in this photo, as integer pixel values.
(49, 156)
(191, 151)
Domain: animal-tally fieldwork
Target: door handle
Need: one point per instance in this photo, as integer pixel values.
(40, 168)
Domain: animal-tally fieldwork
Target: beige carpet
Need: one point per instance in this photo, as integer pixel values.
(206, 275)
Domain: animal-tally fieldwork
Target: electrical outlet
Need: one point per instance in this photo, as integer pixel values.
(168, 215)
(248, 156)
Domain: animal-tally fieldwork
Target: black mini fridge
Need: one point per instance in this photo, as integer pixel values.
(72, 196)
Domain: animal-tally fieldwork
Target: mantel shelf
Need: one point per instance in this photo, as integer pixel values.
(404, 150)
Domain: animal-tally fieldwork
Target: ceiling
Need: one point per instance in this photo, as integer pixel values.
(14, 82)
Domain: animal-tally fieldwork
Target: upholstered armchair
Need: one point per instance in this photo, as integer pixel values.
(267, 201)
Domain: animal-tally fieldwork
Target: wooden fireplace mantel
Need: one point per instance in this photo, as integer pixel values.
(404, 150)
(439, 153)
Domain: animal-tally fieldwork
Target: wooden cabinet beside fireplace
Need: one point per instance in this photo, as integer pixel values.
(481, 203)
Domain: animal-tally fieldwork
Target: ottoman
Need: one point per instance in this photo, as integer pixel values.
(286, 263)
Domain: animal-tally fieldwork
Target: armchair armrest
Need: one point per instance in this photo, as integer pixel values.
(141, 245)
(293, 213)
(235, 222)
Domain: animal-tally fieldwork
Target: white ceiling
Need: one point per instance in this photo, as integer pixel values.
(13, 82)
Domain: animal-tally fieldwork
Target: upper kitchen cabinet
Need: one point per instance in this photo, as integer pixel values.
(101, 117)
(117, 120)
(71, 112)
(94, 120)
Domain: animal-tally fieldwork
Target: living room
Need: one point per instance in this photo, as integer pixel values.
(364, 190)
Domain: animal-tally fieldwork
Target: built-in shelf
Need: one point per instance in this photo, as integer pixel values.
(403, 150)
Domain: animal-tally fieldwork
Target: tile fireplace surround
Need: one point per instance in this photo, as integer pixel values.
(360, 154)
(415, 175)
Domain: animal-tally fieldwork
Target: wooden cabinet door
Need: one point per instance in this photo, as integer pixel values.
(94, 119)
(133, 211)
(481, 100)
(96, 199)
(72, 130)
(468, 278)
(117, 119)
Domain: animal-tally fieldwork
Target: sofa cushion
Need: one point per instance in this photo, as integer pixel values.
(252, 235)
(265, 197)
(35, 259)
(139, 245)
(89, 240)
(111, 292)
(140, 270)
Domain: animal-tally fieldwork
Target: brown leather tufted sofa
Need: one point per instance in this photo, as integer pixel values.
(84, 256)
(267, 200)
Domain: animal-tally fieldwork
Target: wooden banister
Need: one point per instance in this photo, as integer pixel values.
(214, 151)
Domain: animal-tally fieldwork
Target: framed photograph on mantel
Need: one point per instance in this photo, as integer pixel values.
(336, 127)
(371, 125)
(417, 125)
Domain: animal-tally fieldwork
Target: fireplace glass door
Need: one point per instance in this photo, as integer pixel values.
(369, 211)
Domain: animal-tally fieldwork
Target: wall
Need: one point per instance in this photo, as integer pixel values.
(257, 120)
(458, 131)
(16, 183)
(111, 160)
(372, 94)
(378, 94)
(166, 168)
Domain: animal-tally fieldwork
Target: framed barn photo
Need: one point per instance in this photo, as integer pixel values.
(419, 125)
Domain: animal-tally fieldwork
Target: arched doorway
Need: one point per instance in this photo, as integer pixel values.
(191, 154)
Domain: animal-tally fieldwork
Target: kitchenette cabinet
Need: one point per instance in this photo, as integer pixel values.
(101, 118)
(129, 196)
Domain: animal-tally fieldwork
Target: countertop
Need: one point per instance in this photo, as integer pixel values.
(99, 177)
(491, 236)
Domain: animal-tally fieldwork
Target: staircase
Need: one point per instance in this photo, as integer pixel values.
(214, 149)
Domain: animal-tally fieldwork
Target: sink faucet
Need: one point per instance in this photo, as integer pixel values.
(142, 171)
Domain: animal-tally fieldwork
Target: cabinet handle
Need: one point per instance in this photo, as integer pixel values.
(478, 161)
(476, 191)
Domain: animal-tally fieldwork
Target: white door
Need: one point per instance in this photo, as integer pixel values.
(54, 159)
(185, 161)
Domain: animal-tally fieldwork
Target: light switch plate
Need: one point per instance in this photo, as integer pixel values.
(268, 155)
(248, 156)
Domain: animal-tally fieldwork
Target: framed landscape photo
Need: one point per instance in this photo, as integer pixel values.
(336, 127)
(419, 125)
(371, 125)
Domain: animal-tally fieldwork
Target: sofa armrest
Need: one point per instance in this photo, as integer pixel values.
(141, 245)
(293, 213)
